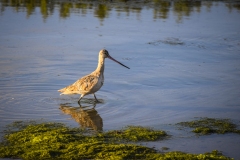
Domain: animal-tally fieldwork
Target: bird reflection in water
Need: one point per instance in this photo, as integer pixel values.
(86, 116)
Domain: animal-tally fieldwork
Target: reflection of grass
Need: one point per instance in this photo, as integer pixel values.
(161, 8)
(205, 126)
(56, 141)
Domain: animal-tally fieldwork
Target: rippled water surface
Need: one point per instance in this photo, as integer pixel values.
(184, 59)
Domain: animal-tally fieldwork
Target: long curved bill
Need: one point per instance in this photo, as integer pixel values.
(117, 61)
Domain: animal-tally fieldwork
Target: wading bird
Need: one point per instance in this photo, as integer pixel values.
(90, 83)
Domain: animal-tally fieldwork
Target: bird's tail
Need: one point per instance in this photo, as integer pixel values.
(69, 90)
(62, 90)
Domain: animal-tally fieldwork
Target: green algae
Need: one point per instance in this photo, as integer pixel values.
(205, 126)
(56, 141)
(177, 155)
(137, 133)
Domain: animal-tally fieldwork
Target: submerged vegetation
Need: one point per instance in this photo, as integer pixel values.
(170, 41)
(31, 140)
(205, 126)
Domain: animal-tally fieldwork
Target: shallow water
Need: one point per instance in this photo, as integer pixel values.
(184, 59)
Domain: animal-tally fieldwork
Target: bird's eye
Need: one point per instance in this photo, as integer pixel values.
(106, 52)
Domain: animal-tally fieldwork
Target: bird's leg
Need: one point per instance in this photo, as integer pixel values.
(96, 98)
(79, 104)
(94, 105)
(79, 100)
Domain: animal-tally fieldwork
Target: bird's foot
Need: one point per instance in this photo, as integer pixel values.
(97, 101)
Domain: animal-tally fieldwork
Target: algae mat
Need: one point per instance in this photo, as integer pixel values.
(32, 140)
(204, 126)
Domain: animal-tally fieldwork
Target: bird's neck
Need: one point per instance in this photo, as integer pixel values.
(100, 67)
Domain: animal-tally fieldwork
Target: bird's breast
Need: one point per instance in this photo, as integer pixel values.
(98, 85)
(101, 80)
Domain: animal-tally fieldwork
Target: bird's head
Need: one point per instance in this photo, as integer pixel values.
(104, 53)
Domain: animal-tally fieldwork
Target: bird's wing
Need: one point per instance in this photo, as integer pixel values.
(81, 86)
(87, 83)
